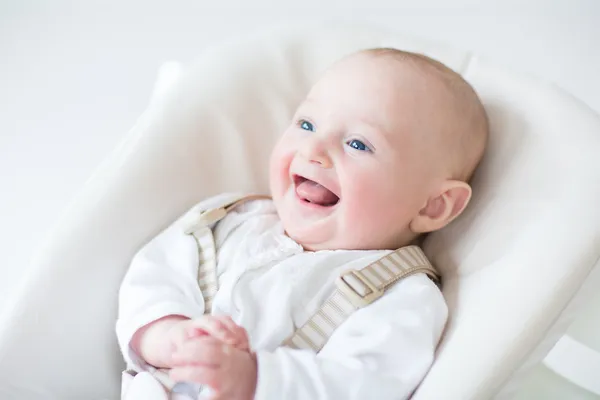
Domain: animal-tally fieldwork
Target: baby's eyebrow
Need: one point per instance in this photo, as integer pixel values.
(379, 132)
(380, 129)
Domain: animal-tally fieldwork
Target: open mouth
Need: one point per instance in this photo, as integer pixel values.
(312, 192)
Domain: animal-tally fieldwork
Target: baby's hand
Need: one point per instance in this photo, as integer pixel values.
(214, 351)
(159, 340)
(230, 373)
(219, 327)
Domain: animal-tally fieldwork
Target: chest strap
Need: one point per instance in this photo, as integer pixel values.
(355, 289)
(200, 228)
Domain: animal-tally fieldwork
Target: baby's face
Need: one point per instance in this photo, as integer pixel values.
(352, 170)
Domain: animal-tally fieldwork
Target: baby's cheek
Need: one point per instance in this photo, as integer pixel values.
(279, 170)
(365, 190)
(362, 208)
(373, 205)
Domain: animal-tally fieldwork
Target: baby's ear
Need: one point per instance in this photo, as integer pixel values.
(440, 210)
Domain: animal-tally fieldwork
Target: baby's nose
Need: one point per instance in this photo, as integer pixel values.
(316, 152)
(322, 160)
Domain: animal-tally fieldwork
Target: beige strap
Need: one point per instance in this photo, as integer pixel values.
(356, 289)
(201, 229)
(207, 266)
(207, 218)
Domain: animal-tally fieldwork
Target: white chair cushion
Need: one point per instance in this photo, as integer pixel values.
(511, 264)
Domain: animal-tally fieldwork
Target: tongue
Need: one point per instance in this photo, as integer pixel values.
(315, 193)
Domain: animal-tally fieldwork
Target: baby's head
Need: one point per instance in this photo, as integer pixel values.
(379, 152)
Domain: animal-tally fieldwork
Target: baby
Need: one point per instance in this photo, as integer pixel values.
(378, 154)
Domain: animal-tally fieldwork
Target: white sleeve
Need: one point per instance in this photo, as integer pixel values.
(161, 281)
(382, 351)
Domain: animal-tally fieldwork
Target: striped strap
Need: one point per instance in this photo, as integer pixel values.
(207, 266)
(356, 289)
(200, 228)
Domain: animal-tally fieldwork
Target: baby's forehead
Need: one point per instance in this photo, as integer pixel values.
(402, 96)
(388, 74)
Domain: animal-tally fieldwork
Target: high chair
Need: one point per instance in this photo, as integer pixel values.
(513, 265)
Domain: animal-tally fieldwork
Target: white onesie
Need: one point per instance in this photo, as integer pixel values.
(269, 285)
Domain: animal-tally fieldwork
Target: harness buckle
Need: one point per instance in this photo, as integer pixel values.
(359, 290)
(204, 219)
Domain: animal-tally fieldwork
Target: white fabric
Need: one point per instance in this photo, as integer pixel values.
(511, 265)
(145, 387)
(270, 286)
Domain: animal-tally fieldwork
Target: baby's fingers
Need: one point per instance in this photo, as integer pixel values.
(226, 321)
(212, 327)
(238, 333)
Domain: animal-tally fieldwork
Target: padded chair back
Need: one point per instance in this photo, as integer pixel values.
(511, 264)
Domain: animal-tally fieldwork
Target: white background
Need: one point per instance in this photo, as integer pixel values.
(74, 75)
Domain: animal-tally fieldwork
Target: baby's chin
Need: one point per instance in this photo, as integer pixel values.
(315, 239)
(320, 238)
(309, 239)
(321, 233)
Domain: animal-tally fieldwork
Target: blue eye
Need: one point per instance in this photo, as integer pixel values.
(307, 126)
(358, 145)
